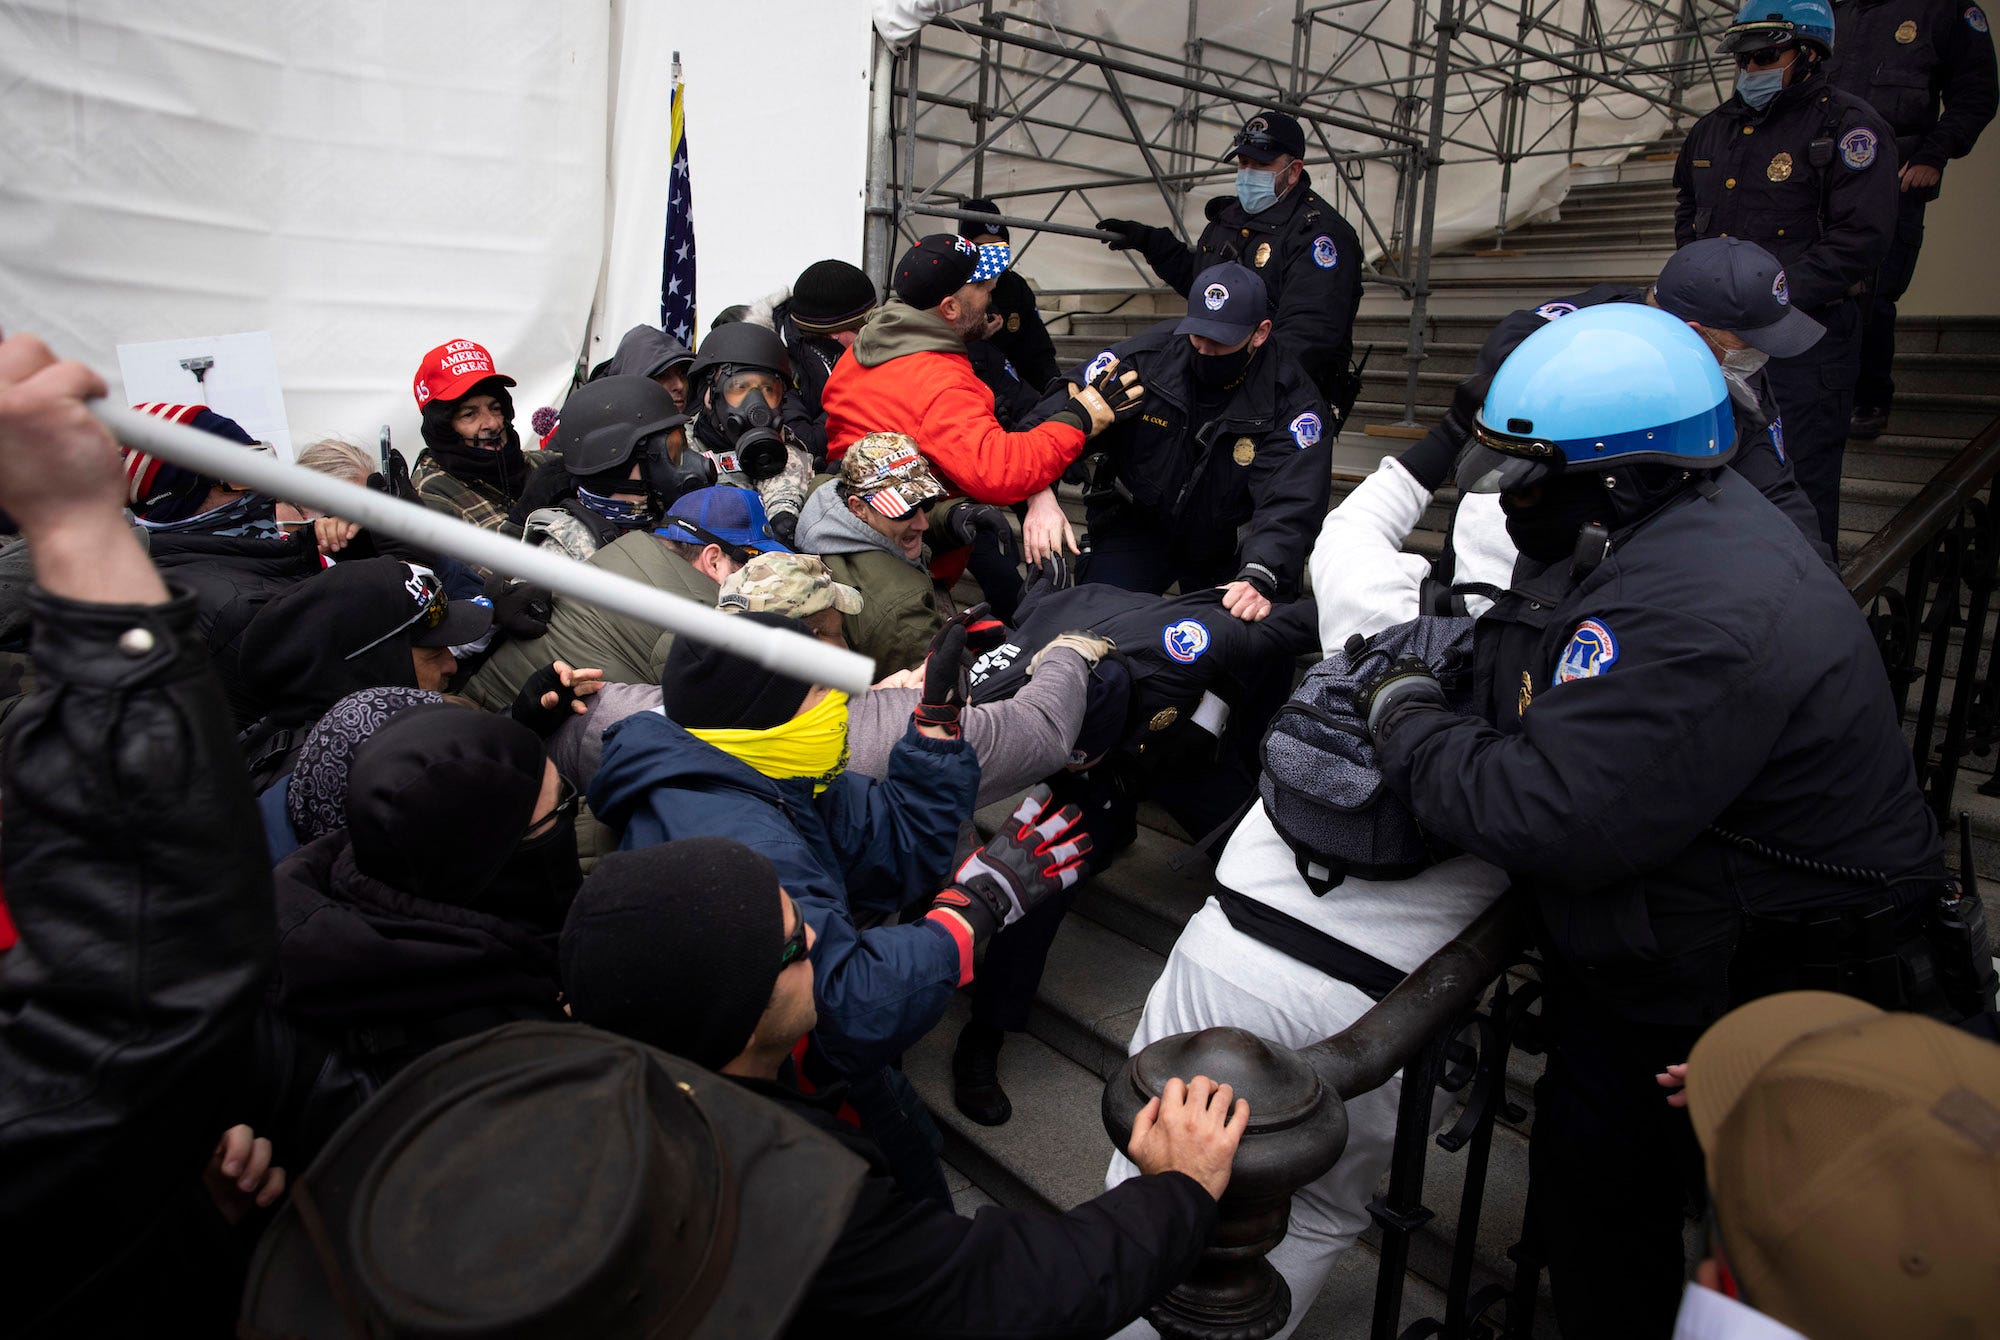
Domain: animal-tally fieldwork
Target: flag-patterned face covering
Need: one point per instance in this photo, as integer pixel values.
(994, 258)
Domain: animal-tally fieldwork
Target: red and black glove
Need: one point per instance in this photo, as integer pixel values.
(1036, 854)
(965, 637)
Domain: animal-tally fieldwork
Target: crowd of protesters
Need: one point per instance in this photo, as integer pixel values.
(400, 947)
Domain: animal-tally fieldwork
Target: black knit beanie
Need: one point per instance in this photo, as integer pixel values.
(704, 687)
(676, 946)
(829, 296)
(438, 799)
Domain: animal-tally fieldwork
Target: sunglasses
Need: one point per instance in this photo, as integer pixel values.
(794, 947)
(429, 591)
(566, 798)
(1762, 58)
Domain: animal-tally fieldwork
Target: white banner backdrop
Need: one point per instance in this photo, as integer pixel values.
(364, 180)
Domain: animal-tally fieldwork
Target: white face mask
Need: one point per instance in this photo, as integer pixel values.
(1745, 362)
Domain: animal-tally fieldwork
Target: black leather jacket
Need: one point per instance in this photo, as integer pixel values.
(135, 871)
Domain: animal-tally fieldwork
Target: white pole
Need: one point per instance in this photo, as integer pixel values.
(802, 658)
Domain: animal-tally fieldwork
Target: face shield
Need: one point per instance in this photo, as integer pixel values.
(1503, 462)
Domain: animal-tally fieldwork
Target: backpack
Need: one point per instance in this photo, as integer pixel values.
(1321, 782)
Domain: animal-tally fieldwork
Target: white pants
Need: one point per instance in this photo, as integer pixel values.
(1217, 976)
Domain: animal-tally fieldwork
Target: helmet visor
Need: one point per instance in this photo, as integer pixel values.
(1774, 33)
(1483, 470)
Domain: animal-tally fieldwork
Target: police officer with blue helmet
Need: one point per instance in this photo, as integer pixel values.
(1686, 753)
(1808, 173)
(1927, 66)
(1224, 477)
(1308, 256)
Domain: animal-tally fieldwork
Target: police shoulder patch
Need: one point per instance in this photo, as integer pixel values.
(1780, 290)
(1098, 364)
(1549, 311)
(1325, 254)
(1591, 651)
(1857, 148)
(1975, 18)
(1185, 640)
(1305, 430)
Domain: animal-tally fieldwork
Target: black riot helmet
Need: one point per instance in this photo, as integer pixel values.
(749, 430)
(608, 423)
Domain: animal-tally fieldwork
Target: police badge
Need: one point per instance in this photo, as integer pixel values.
(1906, 31)
(1263, 255)
(1780, 169)
(1245, 451)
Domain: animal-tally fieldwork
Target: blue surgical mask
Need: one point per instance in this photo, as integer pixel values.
(1256, 189)
(1758, 87)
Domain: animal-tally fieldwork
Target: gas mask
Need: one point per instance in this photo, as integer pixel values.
(751, 429)
(669, 478)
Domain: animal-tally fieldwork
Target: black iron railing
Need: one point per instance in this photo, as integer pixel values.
(1925, 581)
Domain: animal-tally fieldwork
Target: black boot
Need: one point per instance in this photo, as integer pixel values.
(975, 1075)
(1867, 423)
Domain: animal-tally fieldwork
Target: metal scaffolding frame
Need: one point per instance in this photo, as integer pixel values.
(1452, 88)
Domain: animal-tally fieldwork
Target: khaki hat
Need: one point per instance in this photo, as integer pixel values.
(1854, 1159)
(791, 584)
(888, 472)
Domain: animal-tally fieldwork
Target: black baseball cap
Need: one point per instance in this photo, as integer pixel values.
(969, 228)
(1226, 303)
(1265, 137)
(934, 269)
(1725, 283)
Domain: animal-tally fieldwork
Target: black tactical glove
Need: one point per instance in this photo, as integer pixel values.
(965, 637)
(1406, 685)
(1056, 571)
(1111, 397)
(529, 710)
(967, 520)
(1131, 236)
(785, 525)
(520, 609)
(1036, 854)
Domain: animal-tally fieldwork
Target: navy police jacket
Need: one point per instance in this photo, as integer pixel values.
(1811, 178)
(1307, 255)
(1710, 671)
(889, 841)
(1905, 57)
(1264, 458)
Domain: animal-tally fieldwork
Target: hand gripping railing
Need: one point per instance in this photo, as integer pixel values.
(1298, 1120)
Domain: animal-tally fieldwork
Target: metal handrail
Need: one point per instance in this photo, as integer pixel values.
(1925, 516)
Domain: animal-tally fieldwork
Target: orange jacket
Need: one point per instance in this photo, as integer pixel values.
(908, 373)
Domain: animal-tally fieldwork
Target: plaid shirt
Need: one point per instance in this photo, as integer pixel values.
(481, 504)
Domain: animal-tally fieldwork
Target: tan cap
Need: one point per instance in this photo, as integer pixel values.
(888, 472)
(794, 584)
(1854, 1158)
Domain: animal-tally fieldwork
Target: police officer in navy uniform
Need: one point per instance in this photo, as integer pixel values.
(1685, 751)
(1306, 254)
(1233, 435)
(1014, 322)
(1808, 173)
(1906, 57)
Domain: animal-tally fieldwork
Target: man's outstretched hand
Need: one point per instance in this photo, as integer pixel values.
(62, 480)
(1190, 1128)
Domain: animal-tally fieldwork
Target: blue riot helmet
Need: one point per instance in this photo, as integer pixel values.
(1609, 386)
(1780, 23)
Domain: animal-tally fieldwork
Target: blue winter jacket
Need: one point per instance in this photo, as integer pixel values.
(886, 842)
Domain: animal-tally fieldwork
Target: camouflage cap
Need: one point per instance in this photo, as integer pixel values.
(887, 471)
(793, 584)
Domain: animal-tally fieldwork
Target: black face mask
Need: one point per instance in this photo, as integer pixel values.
(1220, 370)
(539, 881)
(1546, 529)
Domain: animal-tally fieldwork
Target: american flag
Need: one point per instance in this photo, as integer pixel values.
(677, 261)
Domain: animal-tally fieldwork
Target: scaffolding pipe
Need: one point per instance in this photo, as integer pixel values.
(805, 659)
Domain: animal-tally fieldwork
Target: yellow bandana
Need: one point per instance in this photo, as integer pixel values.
(812, 744)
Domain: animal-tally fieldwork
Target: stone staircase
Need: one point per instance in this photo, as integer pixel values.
(1615, 226)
